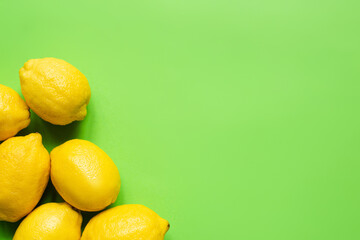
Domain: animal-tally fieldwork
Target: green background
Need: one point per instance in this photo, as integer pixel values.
(231, 119)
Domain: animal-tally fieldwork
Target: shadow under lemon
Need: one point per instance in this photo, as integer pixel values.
(88, 215)
(53, 135)
(8, 229)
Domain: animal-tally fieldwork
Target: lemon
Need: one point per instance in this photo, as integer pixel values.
(14, 113)
(24, 173)
(84, 175)
(51, 221)
(55, 90)
(126, 222)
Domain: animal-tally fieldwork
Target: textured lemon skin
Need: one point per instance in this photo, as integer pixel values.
(126, 222)
(24, 174)
(51, 221)
(14, 113)
(55, 90)
(84, 175)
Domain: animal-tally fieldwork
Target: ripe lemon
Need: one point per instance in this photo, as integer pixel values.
(51, 221)
(84, 175)
(14, 113)
(55, 90)
(126, 222)
(24, 173)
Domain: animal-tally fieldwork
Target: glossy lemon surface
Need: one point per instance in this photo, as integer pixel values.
(126, 222)
(55, 90)
(24, 174)
(84, 175)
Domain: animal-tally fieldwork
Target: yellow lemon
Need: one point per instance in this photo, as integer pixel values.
(24, 173)
(51, 221)
(126, 222)
(84, 175)
(14, 113)
(55, 90)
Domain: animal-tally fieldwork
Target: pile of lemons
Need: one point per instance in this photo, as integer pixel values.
(82, 173)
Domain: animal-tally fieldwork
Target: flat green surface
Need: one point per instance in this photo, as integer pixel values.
(231, 119)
